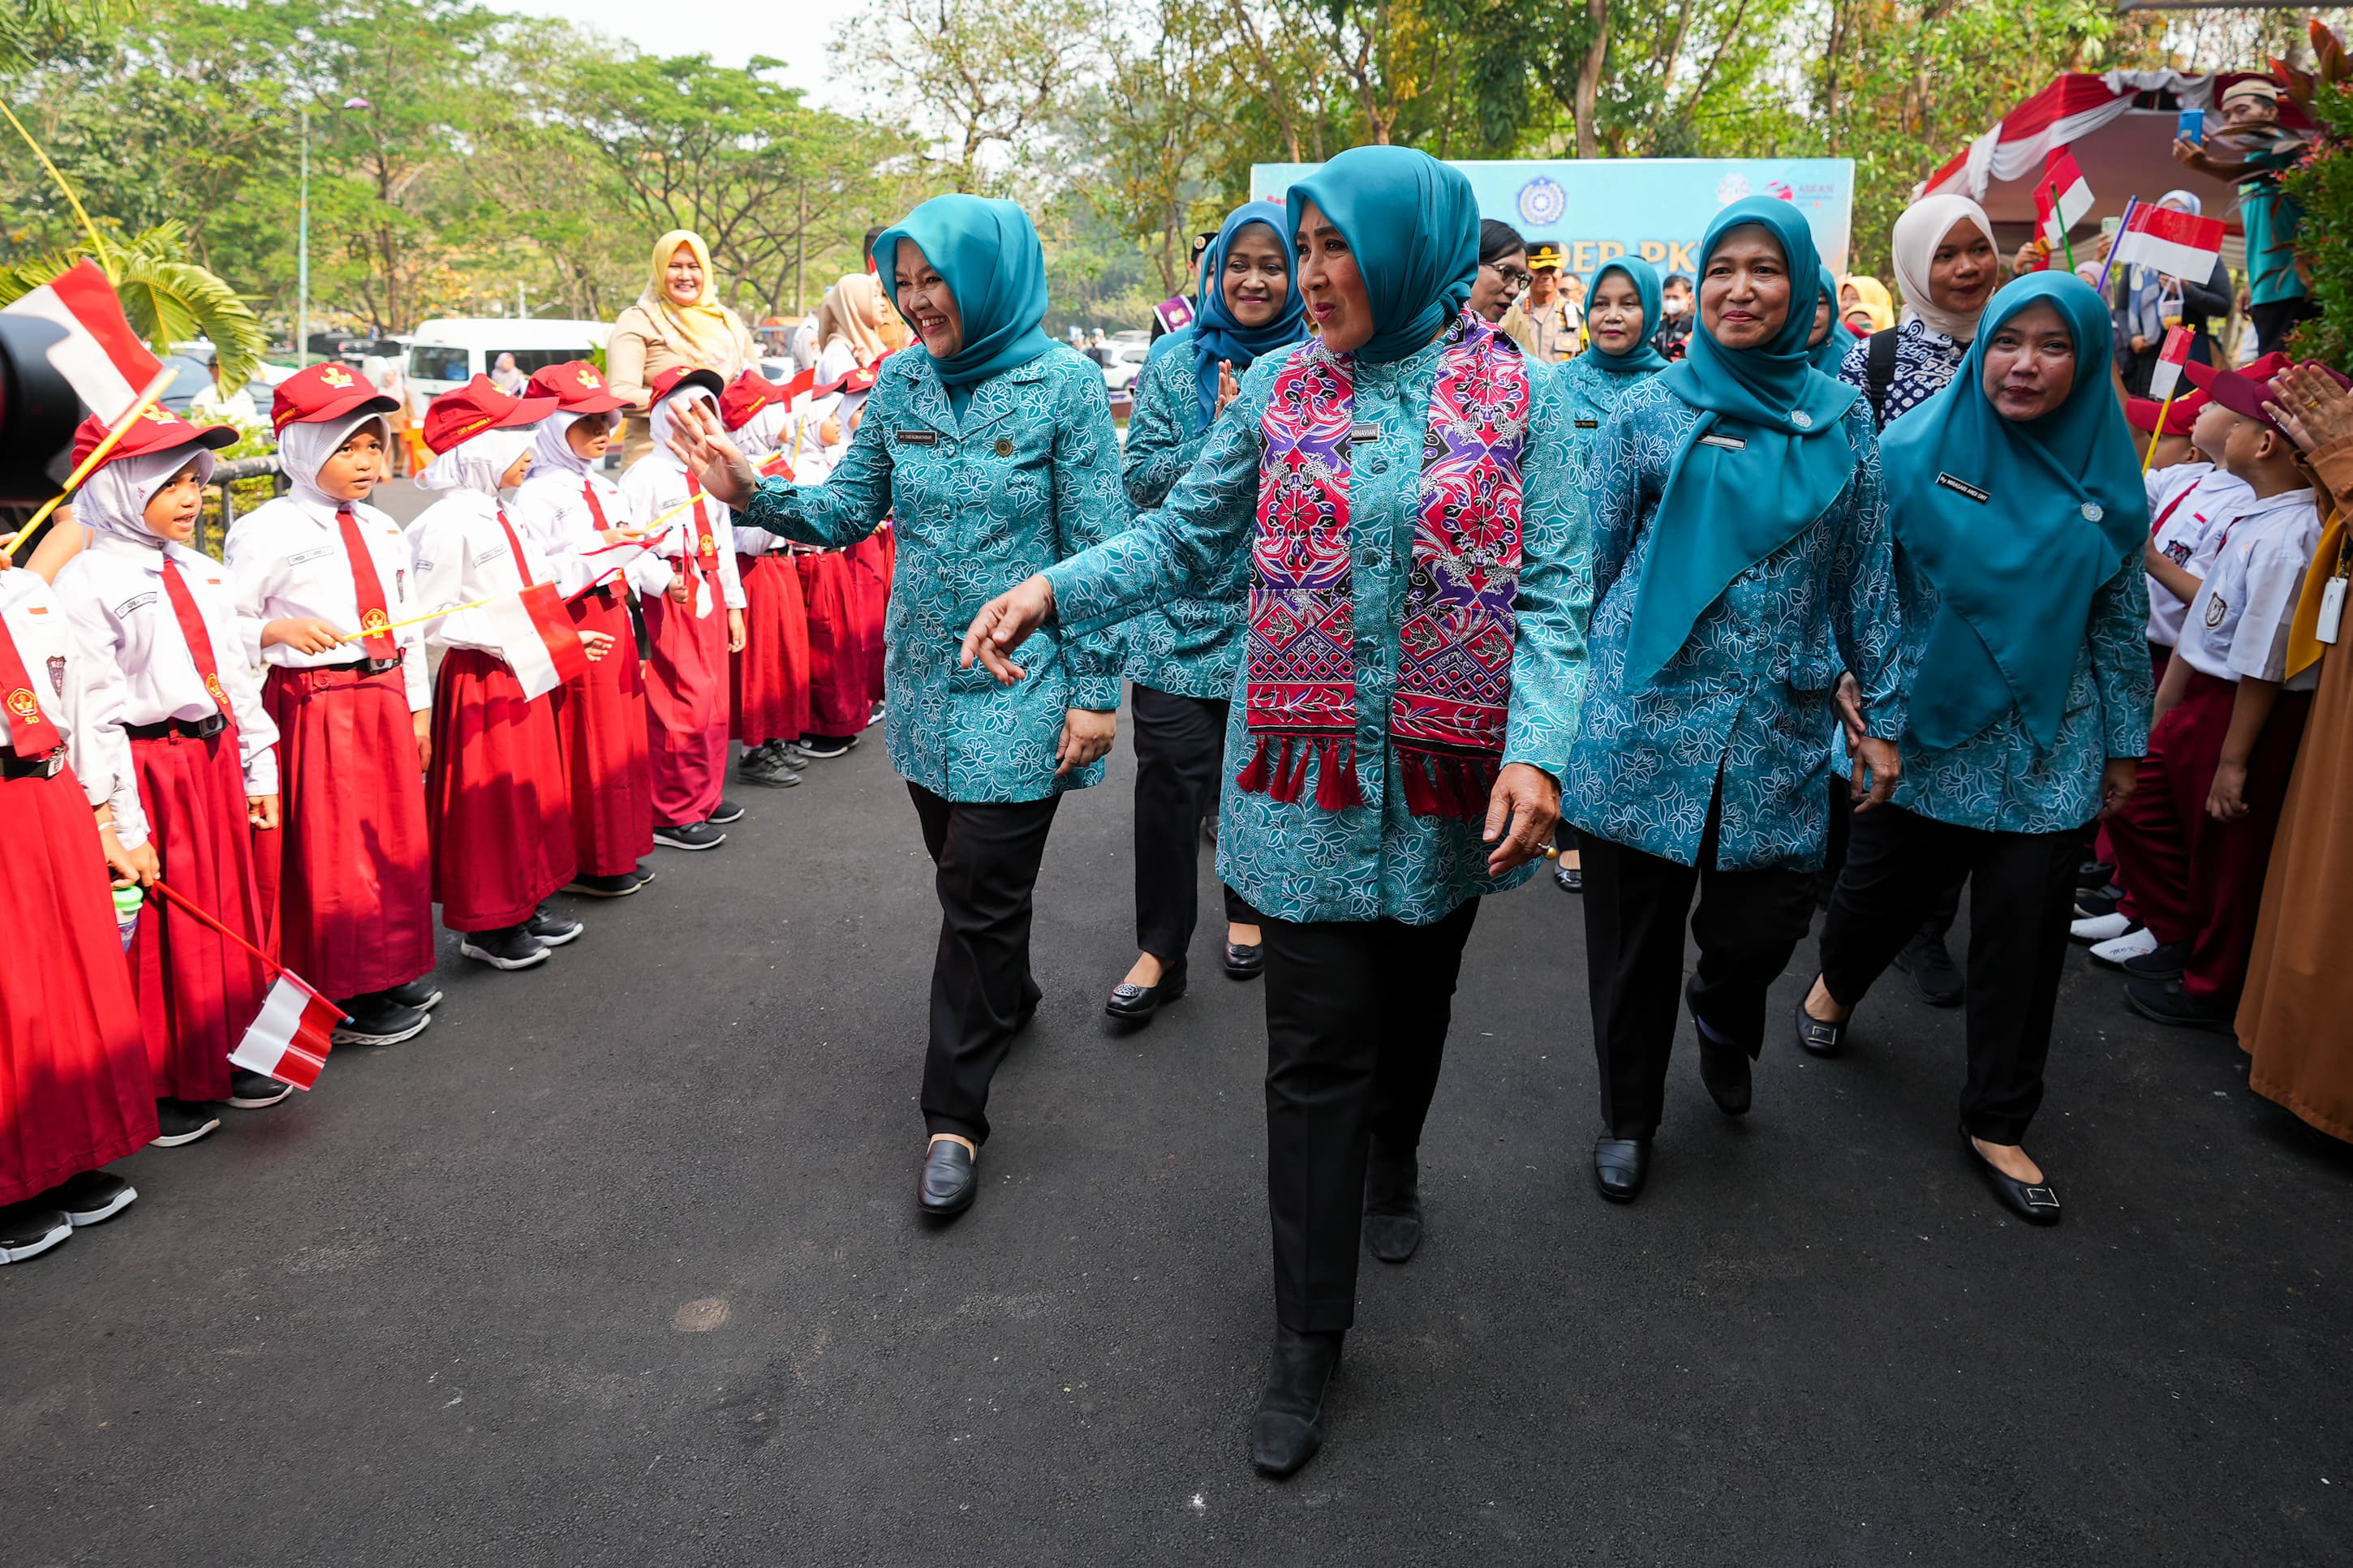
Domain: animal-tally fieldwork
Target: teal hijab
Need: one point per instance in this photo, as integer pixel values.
(1413, 225)
(1643, 358)
(2063, 508)
(1830, 353)
(1217, 336)
(988, 253)
(1779, 459)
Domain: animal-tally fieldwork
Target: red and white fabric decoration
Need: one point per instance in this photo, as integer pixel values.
(290, 1038)
(2179, 245)
(2065, 199)
(2166, 373)
(536, 638)
(101, 358)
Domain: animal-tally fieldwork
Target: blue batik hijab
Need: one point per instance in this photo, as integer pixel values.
(1413, 225)
(1765, 459)
(2018, 523)
(1643, 358)
(988, 252)
(1830, 353)
(1215, 334)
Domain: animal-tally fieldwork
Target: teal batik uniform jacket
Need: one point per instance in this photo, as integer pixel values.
(1746, 700)
(1028, 476)
(1192, 646)
(1592, 394)
(1296, 862)
(1999, 779)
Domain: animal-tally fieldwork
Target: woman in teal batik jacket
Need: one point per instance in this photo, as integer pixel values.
(1182, 656)
(1402, 489)
(994, 453)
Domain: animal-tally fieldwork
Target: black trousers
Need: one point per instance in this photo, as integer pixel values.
(1180, 749)
(1747, 923)
(2023, 894)
(1355, 1027)
(2273, 324)
(1943, 907)
(988, 859)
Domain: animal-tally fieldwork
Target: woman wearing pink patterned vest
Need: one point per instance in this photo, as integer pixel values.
(1405, 492)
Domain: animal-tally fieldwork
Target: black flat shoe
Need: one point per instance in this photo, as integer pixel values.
(1246, 962)
(1620, 1165)
(1392, 1205)
(2036, 1204)
(1818, 1038)
(1568, 878)
(1135, 1003)
(949, 1179)
(1287, 1428)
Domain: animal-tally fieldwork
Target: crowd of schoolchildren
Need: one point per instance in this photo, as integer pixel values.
(313, 741)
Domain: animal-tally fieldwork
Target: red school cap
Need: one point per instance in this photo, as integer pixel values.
(465, 411)
(2242, 392)
(746, 395)
(2142, 412)
(155, 430)
(320, 394)
(681, 377)
(578, 387)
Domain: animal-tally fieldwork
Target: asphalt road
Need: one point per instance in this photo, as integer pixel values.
(618, 1263)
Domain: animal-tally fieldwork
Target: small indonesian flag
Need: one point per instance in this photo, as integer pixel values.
(101, 358)
(290, 1039)
(2179, 245)
(535, 637)
(2063, 180)
(2167, 373)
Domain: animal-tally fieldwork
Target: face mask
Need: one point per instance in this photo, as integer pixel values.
(1674, 305)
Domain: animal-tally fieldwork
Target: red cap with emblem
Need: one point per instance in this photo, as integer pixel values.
(578, 387)
(465, 411)
(323, 393)
(156, 431)
(2142, 412)
(746, 395)
(679, 378)
(2243, 392)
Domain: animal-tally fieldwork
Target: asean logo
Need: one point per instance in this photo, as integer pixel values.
(332, 376)
(1542, 202)
(22, 704)
(375, 621)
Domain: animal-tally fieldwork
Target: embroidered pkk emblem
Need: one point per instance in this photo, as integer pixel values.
(21, 702)
(375, 621)
(331, 376)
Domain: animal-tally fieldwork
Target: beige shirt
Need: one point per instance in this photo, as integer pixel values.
(1549, 334)
(640, 349)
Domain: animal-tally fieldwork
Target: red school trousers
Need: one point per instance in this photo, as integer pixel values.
(686, 705)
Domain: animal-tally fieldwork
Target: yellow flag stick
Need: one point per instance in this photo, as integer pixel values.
(2158, 434)
(98, 454)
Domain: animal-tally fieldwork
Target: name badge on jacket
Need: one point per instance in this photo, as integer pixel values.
(1729, 443)
(1363, 434)
(1963, 488)
(919, 437)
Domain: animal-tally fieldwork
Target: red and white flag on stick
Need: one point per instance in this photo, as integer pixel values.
(290, 1039)
(2065, 199)
(2179, 245)
(101, 358)
(2166, 373)
(536, 638)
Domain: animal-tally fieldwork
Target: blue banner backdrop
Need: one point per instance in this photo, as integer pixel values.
(1656, 208)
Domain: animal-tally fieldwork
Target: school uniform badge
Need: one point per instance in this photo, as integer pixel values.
(57, 674)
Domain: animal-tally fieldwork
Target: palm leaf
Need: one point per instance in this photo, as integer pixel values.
(167, 297)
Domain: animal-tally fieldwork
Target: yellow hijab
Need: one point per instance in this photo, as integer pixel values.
(1872, 298)
(704, 325)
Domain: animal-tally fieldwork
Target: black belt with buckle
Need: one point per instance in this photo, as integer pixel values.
(13, 766)
(202, 729)
(368, 666)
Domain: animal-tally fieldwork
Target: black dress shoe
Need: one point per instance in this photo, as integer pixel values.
(1818, 1038)
(1288, 1425)
(949, 1182)
(2035, 1204)
(1246, 962)
(1392, 1204)
(1568, 878)
(1135, 1003)
(1925, 962)
(1620, 1165)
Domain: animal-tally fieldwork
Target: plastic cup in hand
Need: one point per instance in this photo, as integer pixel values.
(128, 900)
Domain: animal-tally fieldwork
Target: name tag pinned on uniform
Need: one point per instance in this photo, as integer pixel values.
(307, 556)
(484, 559)
(1963, 488)
(2332, 612)
(919, 437)
(1729, 443)
(136, 602)
(1363, 434)
(1588, 424)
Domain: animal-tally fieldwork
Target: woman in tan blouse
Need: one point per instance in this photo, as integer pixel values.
(678, 321)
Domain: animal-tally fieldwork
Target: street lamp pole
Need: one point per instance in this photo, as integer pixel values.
(302, 254)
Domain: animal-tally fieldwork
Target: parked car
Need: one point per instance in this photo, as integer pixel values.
(1122, 362)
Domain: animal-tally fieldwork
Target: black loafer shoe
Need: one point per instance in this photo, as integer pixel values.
(1287, 1428)
(1246, 962)
(1135, 1003)
(1392, 1204)
(1819, 1038)
(949, 1179)
(1568, 878)
(1620, 1165)
(2036, 1204)
(1925, 962)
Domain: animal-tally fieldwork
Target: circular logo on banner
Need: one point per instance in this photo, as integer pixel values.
(22, 703)
(1733, 187)
(1543, 203)
(375, 621)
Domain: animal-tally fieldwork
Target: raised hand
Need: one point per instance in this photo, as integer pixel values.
(700, 441)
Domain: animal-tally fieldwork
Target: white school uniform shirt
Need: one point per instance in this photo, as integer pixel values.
(654, 484)
(2237, 628)
(79, 691)
(550, 505)
(114, 593)
(836, 364)
(286, 559)
(461, 554)
(2202, 496)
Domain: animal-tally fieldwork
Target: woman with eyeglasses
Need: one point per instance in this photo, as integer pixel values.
(1502, 275)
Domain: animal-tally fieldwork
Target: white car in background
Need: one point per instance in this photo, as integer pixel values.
(450, 351)
(1123, 360)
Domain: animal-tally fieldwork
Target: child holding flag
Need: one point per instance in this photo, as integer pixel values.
(193, 734)
(321, 578)
(768, 681)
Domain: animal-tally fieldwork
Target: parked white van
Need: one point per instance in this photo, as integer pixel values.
(450, 351)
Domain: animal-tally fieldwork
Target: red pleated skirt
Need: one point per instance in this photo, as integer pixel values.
(686, 708)
(768, 681)
(75, 1092)
(839, 704)
(502, 815)
(351, 868)
(198, 990)
(871, 561)
(600, 732)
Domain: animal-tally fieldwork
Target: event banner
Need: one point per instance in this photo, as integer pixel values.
(1656, 208)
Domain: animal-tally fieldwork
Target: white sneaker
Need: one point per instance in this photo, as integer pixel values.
(2100, 928)
(2132, 944)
